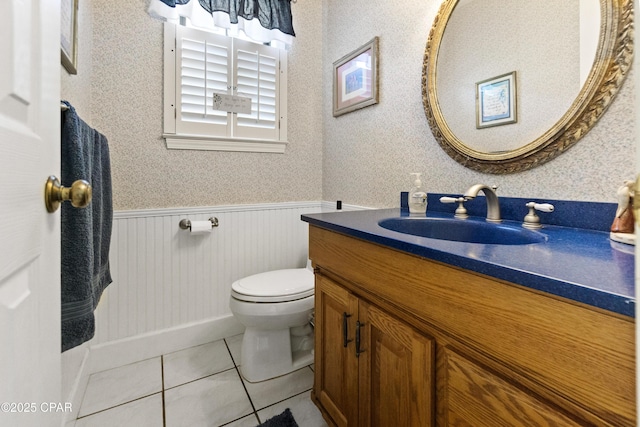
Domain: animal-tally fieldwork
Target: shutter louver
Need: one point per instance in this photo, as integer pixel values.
(203, 68)
(256, 77)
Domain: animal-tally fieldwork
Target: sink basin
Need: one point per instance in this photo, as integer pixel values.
(468, 231)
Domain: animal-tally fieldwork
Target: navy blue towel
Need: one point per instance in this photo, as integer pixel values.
(86, 233)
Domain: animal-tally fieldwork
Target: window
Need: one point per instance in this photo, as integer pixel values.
(200, 65)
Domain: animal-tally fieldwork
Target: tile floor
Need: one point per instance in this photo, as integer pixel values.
(198, 386)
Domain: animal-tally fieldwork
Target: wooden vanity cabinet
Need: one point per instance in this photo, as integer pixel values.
(475, 396)
(441, 346)
(371, 368)
(336, 366)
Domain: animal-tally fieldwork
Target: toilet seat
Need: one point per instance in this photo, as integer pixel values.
(274, 286)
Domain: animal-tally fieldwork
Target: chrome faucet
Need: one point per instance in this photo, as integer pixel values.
(493, 206)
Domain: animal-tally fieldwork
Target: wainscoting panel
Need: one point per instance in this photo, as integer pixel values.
(164, 277)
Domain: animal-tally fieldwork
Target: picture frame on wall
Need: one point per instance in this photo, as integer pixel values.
(355, 79)
(69, 35)
(496, 101)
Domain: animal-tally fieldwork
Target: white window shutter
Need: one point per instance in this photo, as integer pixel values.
(203, 67)
(257, 77)
(199, 64)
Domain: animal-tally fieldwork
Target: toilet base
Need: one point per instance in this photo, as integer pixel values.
(268, 354)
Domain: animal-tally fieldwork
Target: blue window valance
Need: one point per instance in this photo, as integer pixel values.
(261, 20)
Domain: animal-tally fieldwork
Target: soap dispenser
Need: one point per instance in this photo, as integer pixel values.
(417, 197)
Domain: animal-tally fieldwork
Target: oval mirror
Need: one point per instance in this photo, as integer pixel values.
(509, 85)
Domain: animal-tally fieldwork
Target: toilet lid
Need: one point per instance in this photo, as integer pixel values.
(274, 286)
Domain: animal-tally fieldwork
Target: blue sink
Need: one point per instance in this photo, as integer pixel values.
(469, 231)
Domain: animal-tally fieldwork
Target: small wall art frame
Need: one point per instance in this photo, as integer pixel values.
(69, 35)
(355, 79)
(496, 101)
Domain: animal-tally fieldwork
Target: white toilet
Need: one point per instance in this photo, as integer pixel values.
(275, 308)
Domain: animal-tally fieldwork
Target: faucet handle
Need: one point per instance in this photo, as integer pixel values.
(542, 207)
(461, 211)
(532, 220)
(448, 199)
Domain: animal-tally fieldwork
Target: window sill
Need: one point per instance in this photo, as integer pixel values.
(208, 143)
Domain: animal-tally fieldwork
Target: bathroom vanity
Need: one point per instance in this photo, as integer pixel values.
(412, 331)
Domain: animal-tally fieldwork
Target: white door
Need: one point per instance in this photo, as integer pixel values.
(29, 236)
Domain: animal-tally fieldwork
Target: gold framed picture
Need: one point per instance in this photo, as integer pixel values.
(496, 101)
(69, 35)
(355, 79)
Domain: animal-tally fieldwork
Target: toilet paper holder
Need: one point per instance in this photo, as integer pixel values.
(185, 224)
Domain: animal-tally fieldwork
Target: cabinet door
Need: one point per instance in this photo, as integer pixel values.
(474, 396)
(396, 372)
(336, 367)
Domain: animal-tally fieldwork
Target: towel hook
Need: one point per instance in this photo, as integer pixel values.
(79, 194)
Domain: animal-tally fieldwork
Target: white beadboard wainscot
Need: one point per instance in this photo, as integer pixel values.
(171, 289)
(165, 277)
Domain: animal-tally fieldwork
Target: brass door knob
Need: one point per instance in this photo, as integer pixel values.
(79, 194)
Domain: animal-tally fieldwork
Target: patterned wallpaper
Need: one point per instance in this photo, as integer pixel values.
(368, 154)
(126, 106)
(76, 88)
(362, 158)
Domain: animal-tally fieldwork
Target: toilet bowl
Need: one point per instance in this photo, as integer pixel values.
(275, 308)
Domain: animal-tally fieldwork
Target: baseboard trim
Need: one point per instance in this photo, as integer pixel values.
(79, 386)
(141, 347)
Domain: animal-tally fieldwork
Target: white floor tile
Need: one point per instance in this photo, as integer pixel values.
(269, 392)
(110, 388)
(235, 347)
(210, 401)
(146, 412)
(248, 421)
(303, 409)
(195, 363)
(202, 388)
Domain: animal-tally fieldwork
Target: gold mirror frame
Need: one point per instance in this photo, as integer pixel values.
(613, 58)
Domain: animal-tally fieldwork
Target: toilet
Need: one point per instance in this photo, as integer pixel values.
(275, 307)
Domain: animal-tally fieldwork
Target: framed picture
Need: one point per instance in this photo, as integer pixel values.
(355, 79)
(496, 101)
(69, 35)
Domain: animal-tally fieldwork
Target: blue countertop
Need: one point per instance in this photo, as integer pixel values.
(578, 264)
